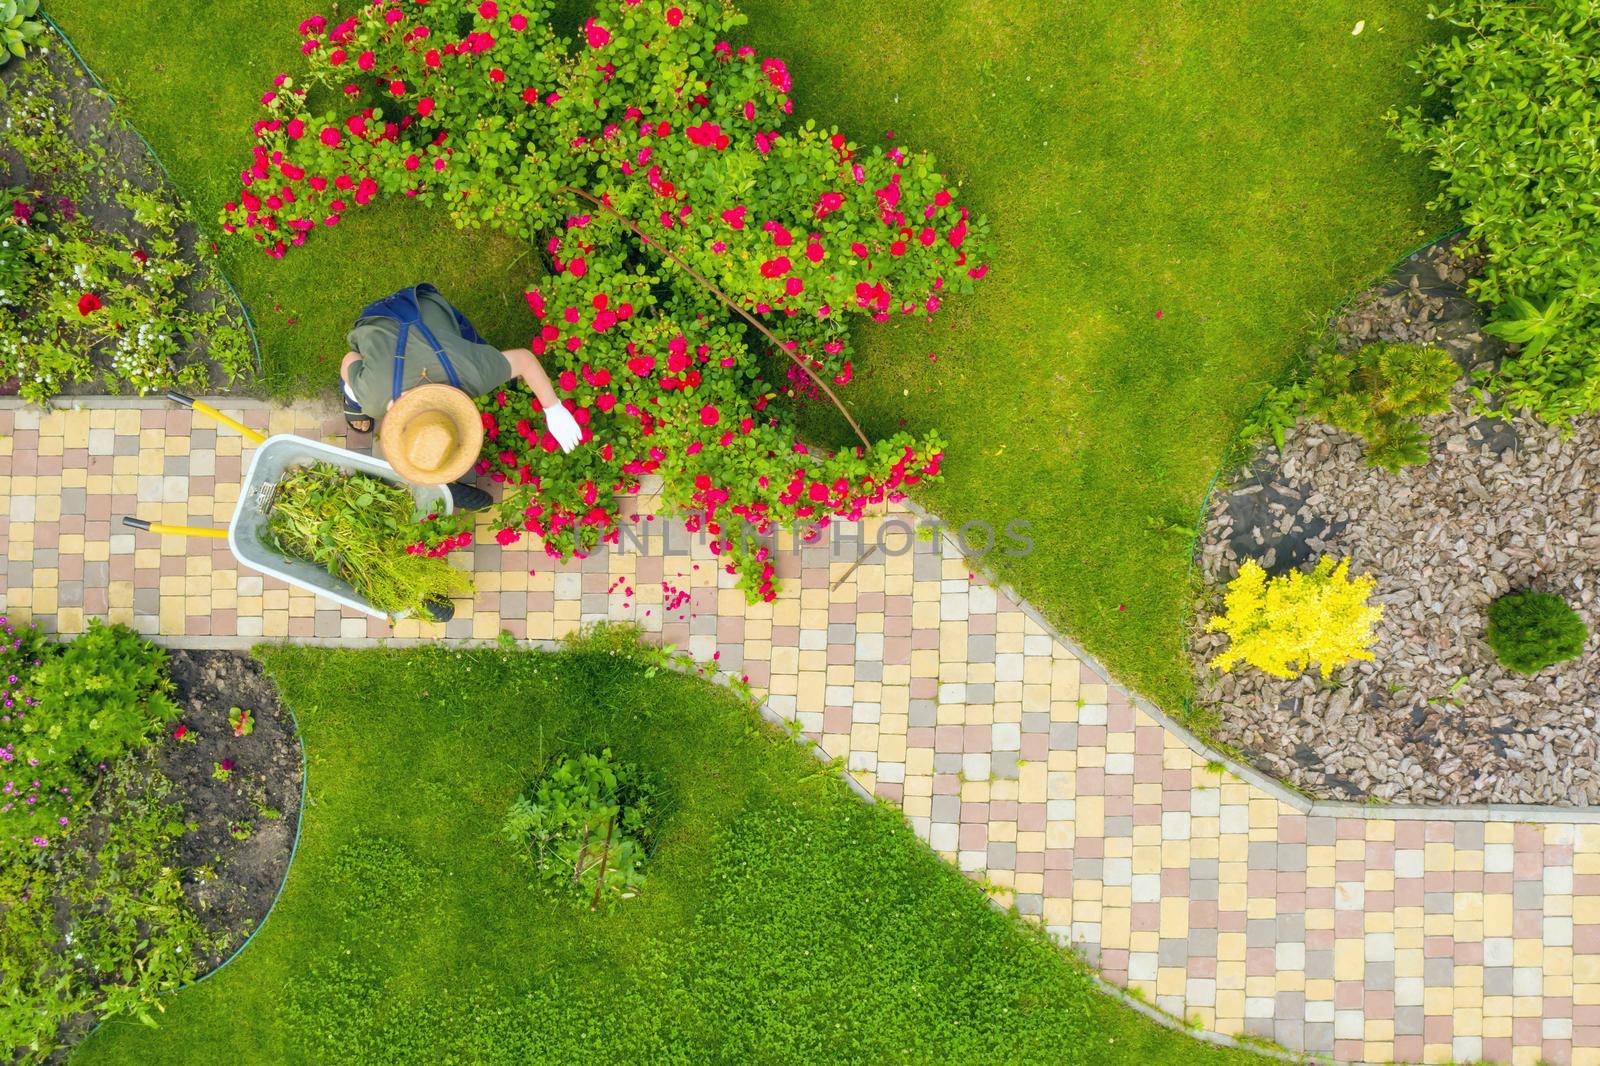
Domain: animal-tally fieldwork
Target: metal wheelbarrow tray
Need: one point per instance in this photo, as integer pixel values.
(273, 458)
(247, 531)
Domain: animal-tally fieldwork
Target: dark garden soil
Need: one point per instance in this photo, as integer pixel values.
(1502, 505)
(95, 119)
(245, 826)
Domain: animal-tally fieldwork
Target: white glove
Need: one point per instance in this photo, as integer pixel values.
(563, 427)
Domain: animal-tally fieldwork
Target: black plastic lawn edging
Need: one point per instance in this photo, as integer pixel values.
(155, 157)
(1231, 459)
(294, 848)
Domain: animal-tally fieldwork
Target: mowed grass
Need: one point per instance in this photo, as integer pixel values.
(783, 919)
(1180, 194)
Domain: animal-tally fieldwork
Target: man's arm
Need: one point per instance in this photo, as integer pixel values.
(526, 366)
(562, 425)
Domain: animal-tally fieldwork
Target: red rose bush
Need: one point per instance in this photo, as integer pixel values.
(658, 169)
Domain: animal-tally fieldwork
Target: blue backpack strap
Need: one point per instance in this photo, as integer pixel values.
(438, 349)
(462, 322)
(403, 307)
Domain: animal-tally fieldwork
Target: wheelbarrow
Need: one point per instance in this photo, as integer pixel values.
(246, 533)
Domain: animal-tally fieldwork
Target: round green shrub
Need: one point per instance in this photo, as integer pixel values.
(1532, 630)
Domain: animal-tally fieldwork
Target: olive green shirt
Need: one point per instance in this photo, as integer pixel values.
(481, 367)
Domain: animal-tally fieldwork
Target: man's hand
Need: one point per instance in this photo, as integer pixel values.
(563, 427)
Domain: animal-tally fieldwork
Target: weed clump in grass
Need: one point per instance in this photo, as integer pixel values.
(585, 824)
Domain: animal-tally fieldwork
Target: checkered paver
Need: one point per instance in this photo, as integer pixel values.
(1360, 936)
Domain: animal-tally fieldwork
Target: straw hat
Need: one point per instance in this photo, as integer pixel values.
(432, 434)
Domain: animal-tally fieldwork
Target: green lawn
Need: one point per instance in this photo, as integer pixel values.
(1222, 164)
(783, 920)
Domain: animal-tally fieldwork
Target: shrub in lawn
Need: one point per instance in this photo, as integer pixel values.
(1283, 625)
(70, 709)
(655, 166)
(360, 529)
(91, 273)
(585, 825)
(1509, 121)
(1532, 630)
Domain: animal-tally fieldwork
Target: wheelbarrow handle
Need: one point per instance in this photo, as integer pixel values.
(184, 531)
(216, 416)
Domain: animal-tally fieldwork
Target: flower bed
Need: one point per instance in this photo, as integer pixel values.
(1499, 507)
(143, 835)
(104, 282)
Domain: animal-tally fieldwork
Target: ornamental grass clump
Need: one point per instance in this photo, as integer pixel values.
(360, 529)
(585, 825)
(1282, 625)
(1378, 392)
(1530, 631)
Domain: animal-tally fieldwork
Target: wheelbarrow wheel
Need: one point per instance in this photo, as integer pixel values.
(440, 610)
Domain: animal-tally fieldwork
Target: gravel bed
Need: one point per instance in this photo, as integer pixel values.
(1501, 506)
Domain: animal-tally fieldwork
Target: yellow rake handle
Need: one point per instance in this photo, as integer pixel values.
(181, 531)
(216, 416)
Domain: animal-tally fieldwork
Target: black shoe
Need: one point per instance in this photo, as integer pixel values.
(440, 611)
(358, 422)
(469, 498)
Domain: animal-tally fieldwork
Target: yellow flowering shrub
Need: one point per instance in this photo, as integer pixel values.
(1284, 624)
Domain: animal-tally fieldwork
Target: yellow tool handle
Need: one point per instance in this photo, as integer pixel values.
(216, 416)
(182, 531)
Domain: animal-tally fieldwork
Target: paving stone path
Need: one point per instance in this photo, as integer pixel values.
(1360, 934)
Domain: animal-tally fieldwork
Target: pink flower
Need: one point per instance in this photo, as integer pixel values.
(674, 17)
(734, 217)
(21, 211)
(828, 203)
(597, 34)
(708, 134)
(330, 137)
(366, 60)
(777, 73)
(776, 268)
(519, 22)
(488, 9)
(709, 416)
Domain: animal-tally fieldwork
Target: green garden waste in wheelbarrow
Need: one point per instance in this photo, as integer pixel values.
(246, 533)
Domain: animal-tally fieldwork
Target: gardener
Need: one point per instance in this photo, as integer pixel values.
(416, 362)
